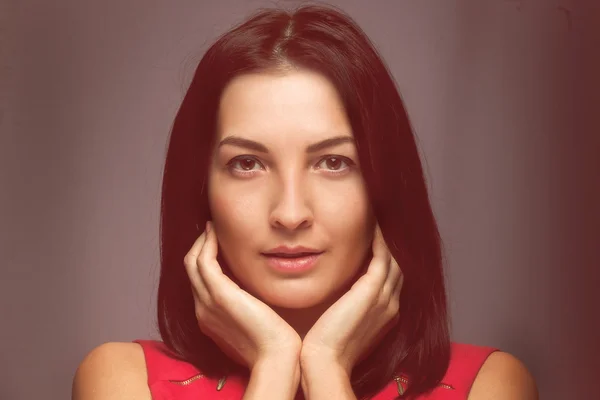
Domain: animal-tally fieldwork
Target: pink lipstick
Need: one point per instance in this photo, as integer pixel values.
(292, 259)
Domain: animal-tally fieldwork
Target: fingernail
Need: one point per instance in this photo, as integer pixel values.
(208, 226)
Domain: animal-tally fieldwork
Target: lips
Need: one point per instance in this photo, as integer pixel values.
(292, 263)
(291, 252)
(288, 255)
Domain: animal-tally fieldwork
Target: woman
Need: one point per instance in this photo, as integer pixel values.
(294, 195)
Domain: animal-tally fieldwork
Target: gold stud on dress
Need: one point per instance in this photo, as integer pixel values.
(221, 383)
(399, 385)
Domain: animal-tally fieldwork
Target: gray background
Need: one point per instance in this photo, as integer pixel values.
(504, 97)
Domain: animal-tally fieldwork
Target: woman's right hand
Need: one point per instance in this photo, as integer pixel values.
(245, 328)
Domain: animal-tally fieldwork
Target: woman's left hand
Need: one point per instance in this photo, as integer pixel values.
(354, 324)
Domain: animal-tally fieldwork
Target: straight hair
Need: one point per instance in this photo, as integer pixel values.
(325, 40)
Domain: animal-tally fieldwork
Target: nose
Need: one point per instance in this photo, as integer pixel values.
(291, 209)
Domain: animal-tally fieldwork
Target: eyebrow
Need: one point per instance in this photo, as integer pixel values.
(261, 148)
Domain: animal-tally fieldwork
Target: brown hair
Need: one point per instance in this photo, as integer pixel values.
(325, 40)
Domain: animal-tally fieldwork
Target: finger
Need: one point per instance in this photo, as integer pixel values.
(210, 270)
(380, 249)
(194, 252)
(190, 261)
(398, 286)
(379, 266)
(391, 281)
(391, 299)
(394, 304)
(191, 258)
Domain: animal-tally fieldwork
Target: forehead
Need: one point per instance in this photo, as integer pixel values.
(295, 103)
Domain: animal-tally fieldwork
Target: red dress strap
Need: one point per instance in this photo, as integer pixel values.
(162, 365)
(173, 379)
(465, 362)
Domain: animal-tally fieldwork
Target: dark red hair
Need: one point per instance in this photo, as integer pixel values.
(326, 40)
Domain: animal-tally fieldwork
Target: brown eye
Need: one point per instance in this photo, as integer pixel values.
(244, 165)
(247, 163)
(333, 163)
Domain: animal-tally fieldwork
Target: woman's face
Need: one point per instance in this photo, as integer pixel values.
(270, 186)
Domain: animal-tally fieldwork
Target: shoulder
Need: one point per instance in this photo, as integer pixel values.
(503, 376)
(112, 371)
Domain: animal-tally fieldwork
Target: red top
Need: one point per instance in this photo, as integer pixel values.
(171, 379)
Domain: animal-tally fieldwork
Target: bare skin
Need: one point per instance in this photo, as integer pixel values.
(254, 335)
(285, 171)
(302, 334)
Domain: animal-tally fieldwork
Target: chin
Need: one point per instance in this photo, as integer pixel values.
(291, 303)
(297, 294)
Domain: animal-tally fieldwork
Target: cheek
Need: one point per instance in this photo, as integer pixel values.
(233, 216)
(345, 210)
(237, 214)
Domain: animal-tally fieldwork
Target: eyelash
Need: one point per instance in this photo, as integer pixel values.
(237, 159)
